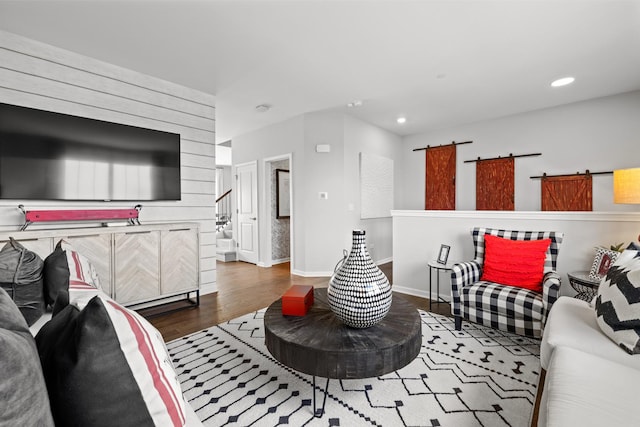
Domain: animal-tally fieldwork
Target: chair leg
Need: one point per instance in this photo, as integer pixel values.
(458, 320)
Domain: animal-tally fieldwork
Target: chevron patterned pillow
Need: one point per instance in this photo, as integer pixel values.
(618, 302)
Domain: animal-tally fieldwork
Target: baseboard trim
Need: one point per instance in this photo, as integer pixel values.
(329, 273)
(416, 293)
(384, 261)
(280, 261)
(312, 273)
(209, 288)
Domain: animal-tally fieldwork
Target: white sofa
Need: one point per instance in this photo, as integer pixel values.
(586, 379)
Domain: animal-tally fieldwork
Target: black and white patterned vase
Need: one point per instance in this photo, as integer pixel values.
(359, 293)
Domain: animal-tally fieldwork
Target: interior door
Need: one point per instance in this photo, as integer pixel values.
(440, 178)
(247, 212)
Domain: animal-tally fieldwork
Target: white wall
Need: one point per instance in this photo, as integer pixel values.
(272, 141)
(323, 219)
(417, 236)
(363, 137)
(600, 135)
(38, 75)
(322, 227)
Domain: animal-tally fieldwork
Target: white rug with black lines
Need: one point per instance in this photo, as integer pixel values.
(474, 377)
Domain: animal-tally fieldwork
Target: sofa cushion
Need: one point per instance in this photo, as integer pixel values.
(588, 391)
(572, 323)
(21, 277)
(105, 365)
(23, 394)
(551, 260)
(518, 309)
(66, 269)
(618, 302)
(515, 262)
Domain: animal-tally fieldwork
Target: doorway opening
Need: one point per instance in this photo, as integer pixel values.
(279, 209)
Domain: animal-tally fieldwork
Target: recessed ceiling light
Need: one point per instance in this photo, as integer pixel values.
(355, 103)
(401, 120)
(263, 108)
(562, 82)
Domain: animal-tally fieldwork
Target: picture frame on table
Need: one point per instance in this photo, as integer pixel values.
(443, 255)
(602, 262)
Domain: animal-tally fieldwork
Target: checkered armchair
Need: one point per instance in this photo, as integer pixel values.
(507, 308)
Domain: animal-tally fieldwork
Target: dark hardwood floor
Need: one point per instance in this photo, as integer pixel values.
(244, 288)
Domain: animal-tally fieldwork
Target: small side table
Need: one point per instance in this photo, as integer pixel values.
(586, 287)
(438, 268)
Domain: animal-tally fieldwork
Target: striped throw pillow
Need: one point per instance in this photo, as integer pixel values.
(67, 269)
(618, 302)
(105, 365)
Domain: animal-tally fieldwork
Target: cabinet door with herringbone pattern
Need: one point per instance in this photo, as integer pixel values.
(97, 249)
(180, 260)
(137, 266)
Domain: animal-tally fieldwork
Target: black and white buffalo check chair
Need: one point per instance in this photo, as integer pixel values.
(507, 308)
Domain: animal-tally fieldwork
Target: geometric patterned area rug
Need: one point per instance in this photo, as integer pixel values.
(474, 377)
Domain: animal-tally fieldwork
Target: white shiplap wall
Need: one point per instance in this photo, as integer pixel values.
(37, 75)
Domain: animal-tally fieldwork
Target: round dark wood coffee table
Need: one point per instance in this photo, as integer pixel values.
(319, 344)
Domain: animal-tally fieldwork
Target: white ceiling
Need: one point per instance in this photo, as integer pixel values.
(439, 63)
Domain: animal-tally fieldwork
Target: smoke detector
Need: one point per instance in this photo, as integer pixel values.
(263, 108)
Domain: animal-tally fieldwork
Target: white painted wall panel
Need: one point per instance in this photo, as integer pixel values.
(36, 67)
(37, 75)
(376, 186)
(194, 147)
(53, 55)
(116, 102)
(198, 187)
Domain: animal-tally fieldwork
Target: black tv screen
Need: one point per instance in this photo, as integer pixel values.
(53, 156)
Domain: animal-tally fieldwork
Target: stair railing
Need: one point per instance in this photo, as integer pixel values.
(223, 210)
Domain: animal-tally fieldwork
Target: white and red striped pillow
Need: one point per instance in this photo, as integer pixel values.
(67, 269)
(105, 365)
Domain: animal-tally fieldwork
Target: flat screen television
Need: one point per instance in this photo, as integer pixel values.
(52, 156)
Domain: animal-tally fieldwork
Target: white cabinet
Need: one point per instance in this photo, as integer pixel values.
(97, 249)
(136, 264)
(179, 260)
(41, 246)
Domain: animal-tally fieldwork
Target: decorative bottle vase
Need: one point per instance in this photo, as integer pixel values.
(359, 293)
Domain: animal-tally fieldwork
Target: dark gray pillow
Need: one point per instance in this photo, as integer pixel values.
(21, 277)
(23, 394)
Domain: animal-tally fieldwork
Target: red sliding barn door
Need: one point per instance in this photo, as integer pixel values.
(567, 193)
(495, 184)
(440, 178)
